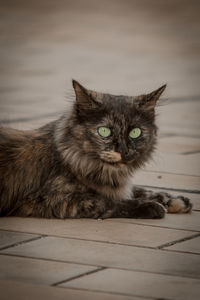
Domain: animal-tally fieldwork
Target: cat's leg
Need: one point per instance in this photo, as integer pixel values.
(173, 204)
(63, 205)
(90, 205)
(139, 209)
(86, 205)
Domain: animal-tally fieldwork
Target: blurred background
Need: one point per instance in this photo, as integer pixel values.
(117, 46)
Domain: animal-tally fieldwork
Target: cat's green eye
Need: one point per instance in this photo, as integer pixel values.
(135, 133)
(104, 131)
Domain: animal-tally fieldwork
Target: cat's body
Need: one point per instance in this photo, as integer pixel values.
(82, 164)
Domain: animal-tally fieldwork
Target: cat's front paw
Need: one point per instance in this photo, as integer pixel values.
(179, 204)
(151, 210)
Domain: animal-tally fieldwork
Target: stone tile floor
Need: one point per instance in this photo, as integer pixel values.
(120, 47)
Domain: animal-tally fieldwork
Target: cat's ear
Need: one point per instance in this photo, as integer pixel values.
(86, 99)
(148, 101)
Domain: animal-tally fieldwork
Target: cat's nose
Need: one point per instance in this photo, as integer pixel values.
(122, 148)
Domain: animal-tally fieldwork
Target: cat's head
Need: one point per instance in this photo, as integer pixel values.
(116, 130)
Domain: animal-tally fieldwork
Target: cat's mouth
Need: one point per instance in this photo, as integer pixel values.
(115, 158)
(111, 157)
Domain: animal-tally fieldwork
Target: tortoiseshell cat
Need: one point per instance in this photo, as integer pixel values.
(82, 164)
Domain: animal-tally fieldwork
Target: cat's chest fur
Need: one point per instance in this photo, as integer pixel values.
(110, 181)
(124, 191)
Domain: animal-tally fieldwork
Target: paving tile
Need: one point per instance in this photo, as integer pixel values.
(177, 221)
(110, 255)
(192, 245)
(173, 130)
(30, 111)
(175, 163)
(97, 230)
(23, 291)
(180, 122)
(165, 180)
(140, 284)
(178, 144)
(29, 124)
(38, 271)
(8, 238)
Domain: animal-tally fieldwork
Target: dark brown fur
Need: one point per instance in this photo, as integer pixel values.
(66, 170)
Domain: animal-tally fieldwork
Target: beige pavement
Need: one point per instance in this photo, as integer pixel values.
(121, 47)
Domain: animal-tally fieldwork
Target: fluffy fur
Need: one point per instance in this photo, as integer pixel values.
(65, 169)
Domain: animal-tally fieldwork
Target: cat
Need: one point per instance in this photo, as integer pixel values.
(82, 165)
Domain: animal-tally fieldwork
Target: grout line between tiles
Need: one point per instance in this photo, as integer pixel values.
(179, 251)
(79, 276)
(106, 267)
(170, 134)
(161, 172)
(172, 100)
(23, 242)
(110, 293)
(171, 189)
(97, 241)
(33, 118)
(105, 242)
(179, 241)
(48, 259)
(169, 173)
(191, 152)
(115, 294)
(151, 225)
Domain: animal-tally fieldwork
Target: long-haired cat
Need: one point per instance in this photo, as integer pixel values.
(82, 165)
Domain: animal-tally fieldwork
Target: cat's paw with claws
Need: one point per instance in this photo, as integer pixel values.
(174, 204)
(179, 204)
